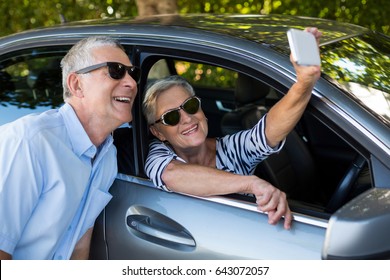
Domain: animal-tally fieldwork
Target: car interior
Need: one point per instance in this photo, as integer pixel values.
(304, 172)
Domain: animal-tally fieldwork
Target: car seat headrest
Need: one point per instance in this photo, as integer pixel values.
(249, 90)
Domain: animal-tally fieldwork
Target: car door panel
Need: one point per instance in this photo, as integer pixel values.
(176, 226)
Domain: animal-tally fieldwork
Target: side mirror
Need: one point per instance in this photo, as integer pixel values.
(361, 228)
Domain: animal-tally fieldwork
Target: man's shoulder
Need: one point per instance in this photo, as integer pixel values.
(30, 125)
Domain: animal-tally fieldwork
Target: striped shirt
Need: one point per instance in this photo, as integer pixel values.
(238, 153)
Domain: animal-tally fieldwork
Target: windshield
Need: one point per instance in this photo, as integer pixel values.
(361, 67)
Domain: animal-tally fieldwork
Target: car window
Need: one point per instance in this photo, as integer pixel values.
(205, 75)
(213, 84)
(314, 160)
(30, 82)
(199, 74)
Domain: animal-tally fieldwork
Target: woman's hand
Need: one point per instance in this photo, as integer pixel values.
(271, 200)
(308, 75)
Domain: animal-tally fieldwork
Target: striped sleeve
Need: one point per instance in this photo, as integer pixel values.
(160, 155)
(241, 152)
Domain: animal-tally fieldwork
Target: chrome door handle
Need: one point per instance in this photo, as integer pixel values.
(157, 229)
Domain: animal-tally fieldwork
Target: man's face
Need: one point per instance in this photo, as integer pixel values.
(106, 99)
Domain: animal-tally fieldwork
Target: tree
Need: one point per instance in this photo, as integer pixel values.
(153, 7)
(368, 13)
(19, 15)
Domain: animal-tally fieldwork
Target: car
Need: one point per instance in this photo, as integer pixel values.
(334, 167)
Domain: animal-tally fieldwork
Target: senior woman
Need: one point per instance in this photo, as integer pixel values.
(185, 160)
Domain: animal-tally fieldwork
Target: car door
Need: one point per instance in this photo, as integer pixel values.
(142, 222)
(145, 223)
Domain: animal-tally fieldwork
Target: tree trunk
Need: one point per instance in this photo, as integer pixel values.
(156, 7)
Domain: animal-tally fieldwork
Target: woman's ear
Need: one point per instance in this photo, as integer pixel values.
(157, 133)
(74, 85)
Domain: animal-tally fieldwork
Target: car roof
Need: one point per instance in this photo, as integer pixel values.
(269, 30)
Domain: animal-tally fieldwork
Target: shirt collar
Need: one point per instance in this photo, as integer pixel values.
(81, 144)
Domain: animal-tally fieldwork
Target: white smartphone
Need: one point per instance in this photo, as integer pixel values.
(303, 47)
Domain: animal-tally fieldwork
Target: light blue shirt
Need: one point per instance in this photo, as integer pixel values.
(50, 191)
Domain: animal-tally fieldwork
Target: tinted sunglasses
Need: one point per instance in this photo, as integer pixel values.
(172, 117)
(116, 70)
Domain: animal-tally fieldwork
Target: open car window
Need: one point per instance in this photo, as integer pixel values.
(312, 167)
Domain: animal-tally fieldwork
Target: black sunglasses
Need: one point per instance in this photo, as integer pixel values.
(116, 70)
(172, 117)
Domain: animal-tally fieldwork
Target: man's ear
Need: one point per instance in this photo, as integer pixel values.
(157, 133)
(74, 85)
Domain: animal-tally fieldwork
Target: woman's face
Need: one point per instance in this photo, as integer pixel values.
(192, 129)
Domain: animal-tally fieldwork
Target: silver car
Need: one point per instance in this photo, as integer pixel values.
(335, 166)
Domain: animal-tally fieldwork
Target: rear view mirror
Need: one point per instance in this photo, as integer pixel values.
(361, 228)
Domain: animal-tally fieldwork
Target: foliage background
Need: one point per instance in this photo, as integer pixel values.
(19, 15)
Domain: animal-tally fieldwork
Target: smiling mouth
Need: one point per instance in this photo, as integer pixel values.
(190, 130)
(122, 99)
